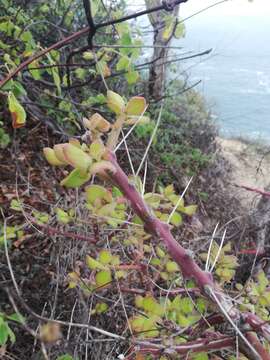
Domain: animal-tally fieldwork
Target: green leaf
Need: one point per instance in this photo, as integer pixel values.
(97, 150)
(263, 282)
(139, 301)
(264, 299)
(26, 36)
(123, 28)
(136, 106)
(11, 335)
(18, 89)
(136, 51)
(101, 308)
(160, 252)
(163, 217)
(18, 113)
(55, 74)
(170, 24)
(88, 55)
(3, 331)
(146, 327)
(5, 26)
(62, 216)
(105, 257)
(175, 199)
(15, 205)
(10, 234)
(80, 73)
(155, 261)
(116, 192)
(189, 210)
(123, 63)
(200, 356)
(171, 266)
(65, 357)
(140, 120)
(175, 304)
(94, 6)
(16, 317)
(186, 305)
(51, 157)
(182, 320)
(103, 278)
(106, 210)
(94, 192)
(201, 305)
(93, 264)
(179, 30)
(176, 219)
(58, 152)
(76, 157)
(103, 68)
(132, 77)
(3, 45)
(115, 102)
(153, 199)
(41, 218)
(151, 306)
(125, 39)
(169, 190)
(75, 179)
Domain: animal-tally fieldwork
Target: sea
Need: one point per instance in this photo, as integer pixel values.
(235, 76)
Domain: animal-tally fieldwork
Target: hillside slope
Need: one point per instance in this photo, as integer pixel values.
(250, 167)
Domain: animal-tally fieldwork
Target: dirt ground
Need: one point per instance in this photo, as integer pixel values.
(250, 167)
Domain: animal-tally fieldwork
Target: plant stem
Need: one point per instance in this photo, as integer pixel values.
(185, 260)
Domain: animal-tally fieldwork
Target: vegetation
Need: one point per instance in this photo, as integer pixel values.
(100, 261)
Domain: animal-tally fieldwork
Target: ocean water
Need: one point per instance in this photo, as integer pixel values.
(236, 75)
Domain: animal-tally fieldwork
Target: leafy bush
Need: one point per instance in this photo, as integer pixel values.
(185, 138)
(172, 301)
(149, 214)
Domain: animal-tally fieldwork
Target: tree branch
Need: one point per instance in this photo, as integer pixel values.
(185, 260)
(78, 34)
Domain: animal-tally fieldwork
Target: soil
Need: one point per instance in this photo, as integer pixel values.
(250, 167)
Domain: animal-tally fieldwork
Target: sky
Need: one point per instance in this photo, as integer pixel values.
(228, 8)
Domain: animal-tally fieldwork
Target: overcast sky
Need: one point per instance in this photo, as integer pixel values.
(228, 8)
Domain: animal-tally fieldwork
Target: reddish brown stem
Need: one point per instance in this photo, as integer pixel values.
(53, 231)
(188, 347)
(255, 342)
(159, 229)
(183, 257)
(84, 31)
(258, 191)
(38, 55)
(256, 324)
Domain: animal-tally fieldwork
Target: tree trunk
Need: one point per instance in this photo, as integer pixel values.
(157, 71)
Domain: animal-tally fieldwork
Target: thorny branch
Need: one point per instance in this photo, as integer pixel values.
(258, 191)
(81, 33)
(183, 257)
(188, 266)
